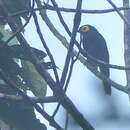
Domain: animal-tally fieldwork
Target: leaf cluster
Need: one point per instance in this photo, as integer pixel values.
(14, 6)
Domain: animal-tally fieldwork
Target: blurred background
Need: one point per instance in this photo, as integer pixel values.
(85, 89)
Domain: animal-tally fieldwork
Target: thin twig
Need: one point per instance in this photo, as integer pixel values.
(75, 28)
(102, 63)
(56, 110)
(68, 10)
(118, 11)
(47, 49)
(67, 121)
(70, 73)
(64, 73)
(66, 85)
(74, 59)
(10, 97)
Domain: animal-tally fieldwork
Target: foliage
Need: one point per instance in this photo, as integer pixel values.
(14, 6)
(10, 56)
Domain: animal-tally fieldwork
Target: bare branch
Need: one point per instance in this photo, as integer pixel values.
(73, 35)
(117, 10)
(69, 10)
(47, 49)
(127, 44)
(67, 121)
(49, 99)
(102, 63)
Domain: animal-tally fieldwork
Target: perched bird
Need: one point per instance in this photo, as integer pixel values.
(94, 44)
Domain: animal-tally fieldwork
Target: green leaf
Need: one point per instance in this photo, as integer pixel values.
(33, 79)
(7, 34)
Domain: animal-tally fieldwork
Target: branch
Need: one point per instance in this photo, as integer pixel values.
(127, 44)
(46, 47)
(66, 85)
(118, 11)
(68, 10)
(102, 63)
(77, 20)
(9, 97)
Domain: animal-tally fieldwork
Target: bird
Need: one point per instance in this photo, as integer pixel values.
(94, 44)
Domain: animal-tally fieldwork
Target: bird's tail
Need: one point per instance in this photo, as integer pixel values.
(106, 85)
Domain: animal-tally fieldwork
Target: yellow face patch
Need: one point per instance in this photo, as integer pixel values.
(85, 28)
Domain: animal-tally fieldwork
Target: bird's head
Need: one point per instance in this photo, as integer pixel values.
(87, 29)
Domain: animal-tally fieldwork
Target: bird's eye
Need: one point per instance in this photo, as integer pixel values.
(85, 28)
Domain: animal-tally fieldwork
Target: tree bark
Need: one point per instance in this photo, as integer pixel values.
(127, 42)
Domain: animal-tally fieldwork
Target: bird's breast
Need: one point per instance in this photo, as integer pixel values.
(92, 47)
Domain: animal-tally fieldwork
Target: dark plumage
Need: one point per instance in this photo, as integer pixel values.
(95, 45)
